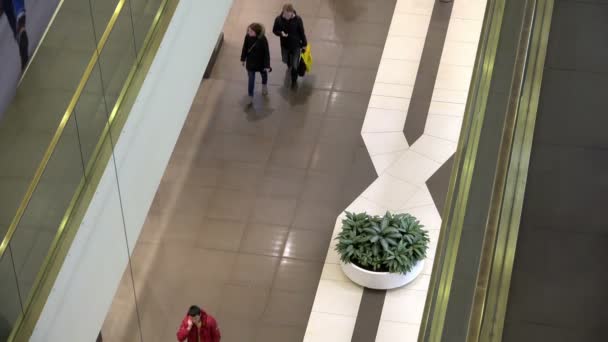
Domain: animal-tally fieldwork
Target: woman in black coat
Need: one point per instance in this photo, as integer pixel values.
(256, 57)
(290, 28)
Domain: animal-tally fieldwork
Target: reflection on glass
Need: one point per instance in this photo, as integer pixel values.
(117, 58)
(43, 215)
(52, 90)
(9, 296)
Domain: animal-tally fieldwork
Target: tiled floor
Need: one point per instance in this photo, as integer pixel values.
(243, 218)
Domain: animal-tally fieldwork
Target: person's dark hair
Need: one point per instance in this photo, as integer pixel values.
(194, 311)
(257, 28)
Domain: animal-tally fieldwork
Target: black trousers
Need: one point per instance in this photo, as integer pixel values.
(292, 59)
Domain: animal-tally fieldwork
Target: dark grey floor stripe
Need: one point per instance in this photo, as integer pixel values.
(370, 310)
(427, 72)
(439, 182)
(368, 317)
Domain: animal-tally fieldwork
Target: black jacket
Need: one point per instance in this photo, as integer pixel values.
(256, 53)
(294, 27)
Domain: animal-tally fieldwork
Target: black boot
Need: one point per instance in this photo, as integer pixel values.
(294, 78)
(23, 42)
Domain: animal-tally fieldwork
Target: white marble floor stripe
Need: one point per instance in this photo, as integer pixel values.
(403, 169)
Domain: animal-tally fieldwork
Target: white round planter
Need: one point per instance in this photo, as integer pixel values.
(381, 280)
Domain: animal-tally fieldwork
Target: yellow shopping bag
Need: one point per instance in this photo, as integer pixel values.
(307, 58)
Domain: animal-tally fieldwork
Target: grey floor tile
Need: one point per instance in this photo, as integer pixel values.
(327, 52)
(316, 215)
(243, 302)
(323, 79)
(264, 239)
(361, 56)
(347, 104)
(236, 328)
(307, 99)
(240, 148)
(306, 245)
(355, 80)
(322, 187)
(345, 131)
(230, 205)
(279, 333)
(367, 33)
(183, 229)
(274, 210)
(282, 182)
(206, 265)
(220, 234)
(254, 270)
(332, 158)
(232, 122)
(328, 29)
(298, 275)
(292, 155)
(300, 128)
(288, 307)
(240, 176)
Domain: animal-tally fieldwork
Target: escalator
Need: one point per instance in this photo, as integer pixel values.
(524, 255)
(54, 129)
(559, 285)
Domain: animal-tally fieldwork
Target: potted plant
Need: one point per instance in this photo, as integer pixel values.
(382, 252)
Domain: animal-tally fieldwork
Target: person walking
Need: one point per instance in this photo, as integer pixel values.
(15, 15)
(290, 28)
(198, 326)
(255, 57)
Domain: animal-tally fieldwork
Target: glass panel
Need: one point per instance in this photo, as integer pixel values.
(47, 87)
(117, 57)
(102, 11)
(90, 116)
(32, 120)
(9, 296)
(47, 207)
(144, 12)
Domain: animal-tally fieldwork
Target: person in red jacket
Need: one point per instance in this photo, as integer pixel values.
(198, 326)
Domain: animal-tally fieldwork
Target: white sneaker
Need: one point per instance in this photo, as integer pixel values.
(264, 90)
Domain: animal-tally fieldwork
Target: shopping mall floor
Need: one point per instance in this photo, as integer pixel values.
(243, 218)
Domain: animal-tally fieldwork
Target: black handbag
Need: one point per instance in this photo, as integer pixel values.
(301, 68)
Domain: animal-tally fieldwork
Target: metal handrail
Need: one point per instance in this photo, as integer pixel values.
(493, 277)
(501, 240)
(464, 163)
(58, 133)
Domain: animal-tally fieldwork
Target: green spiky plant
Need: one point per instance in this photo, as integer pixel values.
(392, 243)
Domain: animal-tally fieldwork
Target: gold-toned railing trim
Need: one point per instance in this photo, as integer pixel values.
(500, 176)
(51, 265)
(502, 258)
(58, 133)
(443, 269)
